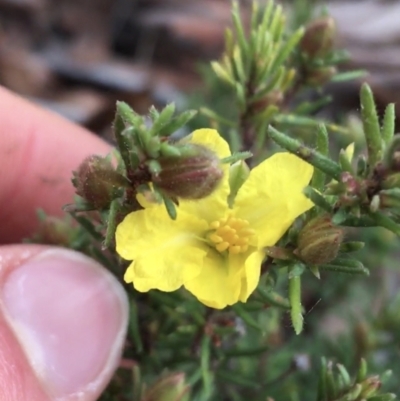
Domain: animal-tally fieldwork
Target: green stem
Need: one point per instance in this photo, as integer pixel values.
(311, 156)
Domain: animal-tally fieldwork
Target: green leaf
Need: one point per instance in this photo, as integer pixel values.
(268, 13)
(111, 224)
(236, 157)
(161, 119)
(128, 116)
(351, 246)
(346, 265)
(239, 29)
(385, 221)
(319, 178)
(237, 379)
(322, 394)
(362, 370)
(371, 126)
(383, 397)
(286, 49)
(317, 199)
(122, 142)
(311, 156)
(388, 126)
(177, 122)
(295, 303)
(170, 206)
(344, 162)
(276, 26)
(344, 374)
(273, 298)
(213, 116)
(303, 121)
(205, 364)
(239, 65)
(222, 73)
(134, 327)
(246, 317)
(349, 76)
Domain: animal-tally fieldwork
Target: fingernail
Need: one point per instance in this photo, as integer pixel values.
(69, 315)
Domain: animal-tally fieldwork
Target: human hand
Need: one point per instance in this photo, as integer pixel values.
(63, 317)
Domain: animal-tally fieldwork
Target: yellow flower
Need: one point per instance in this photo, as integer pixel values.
(213, 250)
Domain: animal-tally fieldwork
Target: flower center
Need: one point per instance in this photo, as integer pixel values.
(231, 234)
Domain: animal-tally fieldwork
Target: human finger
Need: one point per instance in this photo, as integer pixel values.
(38, 152)
(63, 320)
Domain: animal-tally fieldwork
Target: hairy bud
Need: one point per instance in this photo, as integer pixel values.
(318, 37)
(320, 76)
(55, 231)
(97, 181)
(274, 98)
(319, 241)
(370, 386)
(168, 388)
(194, 174)
(391, 181)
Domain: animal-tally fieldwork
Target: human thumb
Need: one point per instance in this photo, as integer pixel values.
(63, 320)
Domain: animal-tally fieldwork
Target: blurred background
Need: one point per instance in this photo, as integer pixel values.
(78, 57)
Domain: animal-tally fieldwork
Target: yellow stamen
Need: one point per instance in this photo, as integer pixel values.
(223, 246)
(230, 234)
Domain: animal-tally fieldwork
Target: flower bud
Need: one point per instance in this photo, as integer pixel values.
(391, 181)
(168, 388)
(370, 386)
(274, 98)
(97, 181)
(392, 154)
(194, 174)
(320, 76)
(55, 231)
(319, 241)
(318, 37)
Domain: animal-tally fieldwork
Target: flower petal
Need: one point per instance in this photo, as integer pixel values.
(211, 139)
(218, 283)
(252, 270)
(271, 198)
(166, 252)
(173, 269)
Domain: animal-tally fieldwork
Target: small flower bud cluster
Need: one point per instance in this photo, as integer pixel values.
(55, 231)
(317, 44)
(148, 162)
(168, 388)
